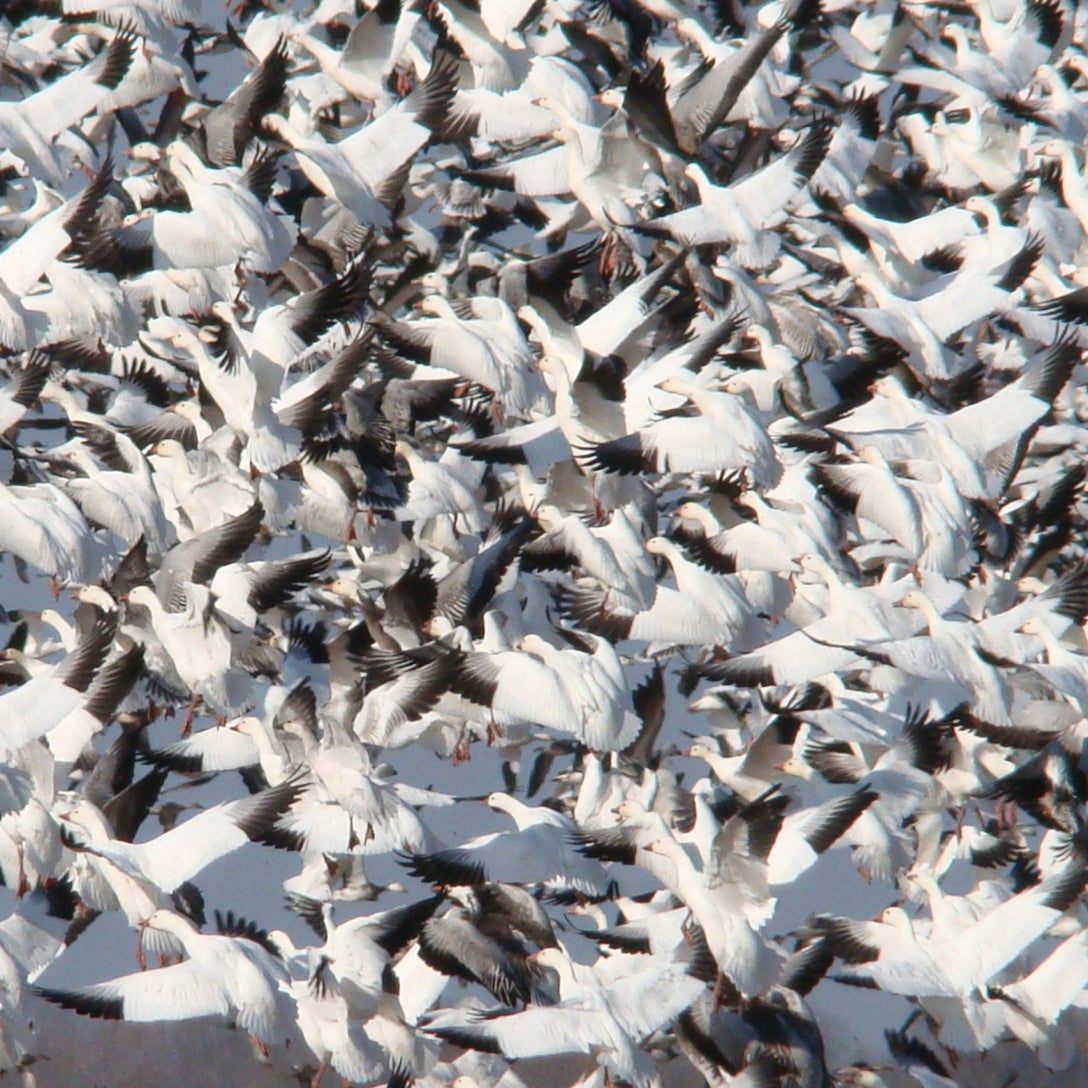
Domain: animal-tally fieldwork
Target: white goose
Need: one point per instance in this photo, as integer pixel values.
(704, 609)
(228, 225)
(43, 527)
(159, 866)
(117, 490)
(537, 852)
(899, 958)
(721, 436)
(719, 903)
(28, 128)
(224, 976)
(568, 691)
(363, 171)
(198, 644)
(603, 1017)
(746, 213)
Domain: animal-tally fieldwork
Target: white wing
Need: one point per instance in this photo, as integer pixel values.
(182, 991)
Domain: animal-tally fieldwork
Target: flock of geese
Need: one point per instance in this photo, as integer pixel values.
(672, 407)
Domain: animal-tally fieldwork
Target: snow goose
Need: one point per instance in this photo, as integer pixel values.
(380, 1049)
(721, 902)
(537, 852)
(176, 856)
(772, 543)
(281, 333)
(521, 115)
(904, 778)
(372, 49)
(228, 224)
(198, 559)
(1004, 60)
(43, 527)
(486, 347)
(222, 975)
(363, 172)
(25, 260)
(359, 950)
(719, 436)
(899, 959)
(922, 326)
(241, 743)
(243, 592)
(810, 832)
(1060, 604)
(467, 590)
(601, 1017)
(201, 489)
(704, 609)
(400, 691)
(629, 842)
(118, 490)
(947, 658)
(745, 213)
(71, 736)
(1012, 414)
(31, 937)
(21, 390)
(916, 503)
(916, 239)
(600, 166)
(817, 648)
(437, 490)
(45, 700)
(902, 427)
(198, 646)
(588, 407)
(1033, 1005)
(579, 691)
(233, 385)
(29, 128)
(1065, 671)
(350, 809)
(612, 554)
(706, 98)
(226, 131)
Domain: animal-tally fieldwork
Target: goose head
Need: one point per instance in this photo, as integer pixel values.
(248, 726)
(144, 597)
(548, 516)
(436, 306)
(984, 210)
(692, 511)
(796, 767)
(88, 817)
(534, 644)
(677, 384)
(168, 447)
(659, 545)
(96, 596)
(956, 36)
(502, 802)
(664, 847)
(345, 588)
(699, 750)
(168, 921)
(629, 809)
(914, 598)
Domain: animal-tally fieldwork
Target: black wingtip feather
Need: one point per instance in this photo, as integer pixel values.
(96, 1006)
